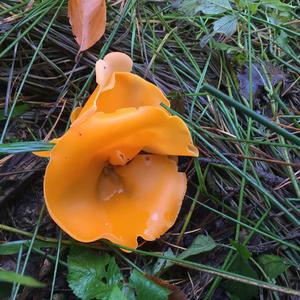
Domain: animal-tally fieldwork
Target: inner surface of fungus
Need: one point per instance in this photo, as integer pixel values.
(109, 183)
(142, 198)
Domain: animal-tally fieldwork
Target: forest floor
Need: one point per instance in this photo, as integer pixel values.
(241, 214)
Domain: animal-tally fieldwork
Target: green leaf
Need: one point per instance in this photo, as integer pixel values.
(92, 275)
(225, 47)
(249, 4)
(226, 25)
(188, 7)
(241, 290)
(253, 7)
(278, 18)
(277, 4)
(10, 248)
(273, 265)
(206, 38)
(213, 7)
(18, 110)
(202, 243)
(163, 263)
(241, 249)
(283, 41)
(147, 289)
(240, 59)
(209, 7)
(13, 277)
(116, 294)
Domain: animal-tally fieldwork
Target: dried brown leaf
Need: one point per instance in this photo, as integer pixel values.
(176, 293)
(88, 20)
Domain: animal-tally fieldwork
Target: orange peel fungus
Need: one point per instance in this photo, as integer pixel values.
(111, 175)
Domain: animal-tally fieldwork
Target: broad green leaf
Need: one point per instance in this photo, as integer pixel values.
(18, 110)
(147, 289)
(240, 59)
(213, 7)
(92, 275)
(210, 7)
(252, 5)
(163, 263)
(188, 7)
(283, 41)
(278, 18)
(241, 249)
(13, 277)
(225, 47)
(116, 294)
(273, 265)
(10, 248)
(239, 290)
(226, 25)
(206, 38)
(277, 4)
(273, 4)
(202, 243)
(128, 292)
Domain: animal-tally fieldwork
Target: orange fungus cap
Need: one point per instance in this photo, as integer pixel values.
(97, 185)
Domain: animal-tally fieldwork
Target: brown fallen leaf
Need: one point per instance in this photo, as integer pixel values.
(88, 20)
(175, 292)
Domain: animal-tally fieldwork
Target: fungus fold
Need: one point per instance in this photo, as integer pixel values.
(113, 175)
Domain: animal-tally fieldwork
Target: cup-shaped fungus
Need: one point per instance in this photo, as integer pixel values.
(110, 175)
